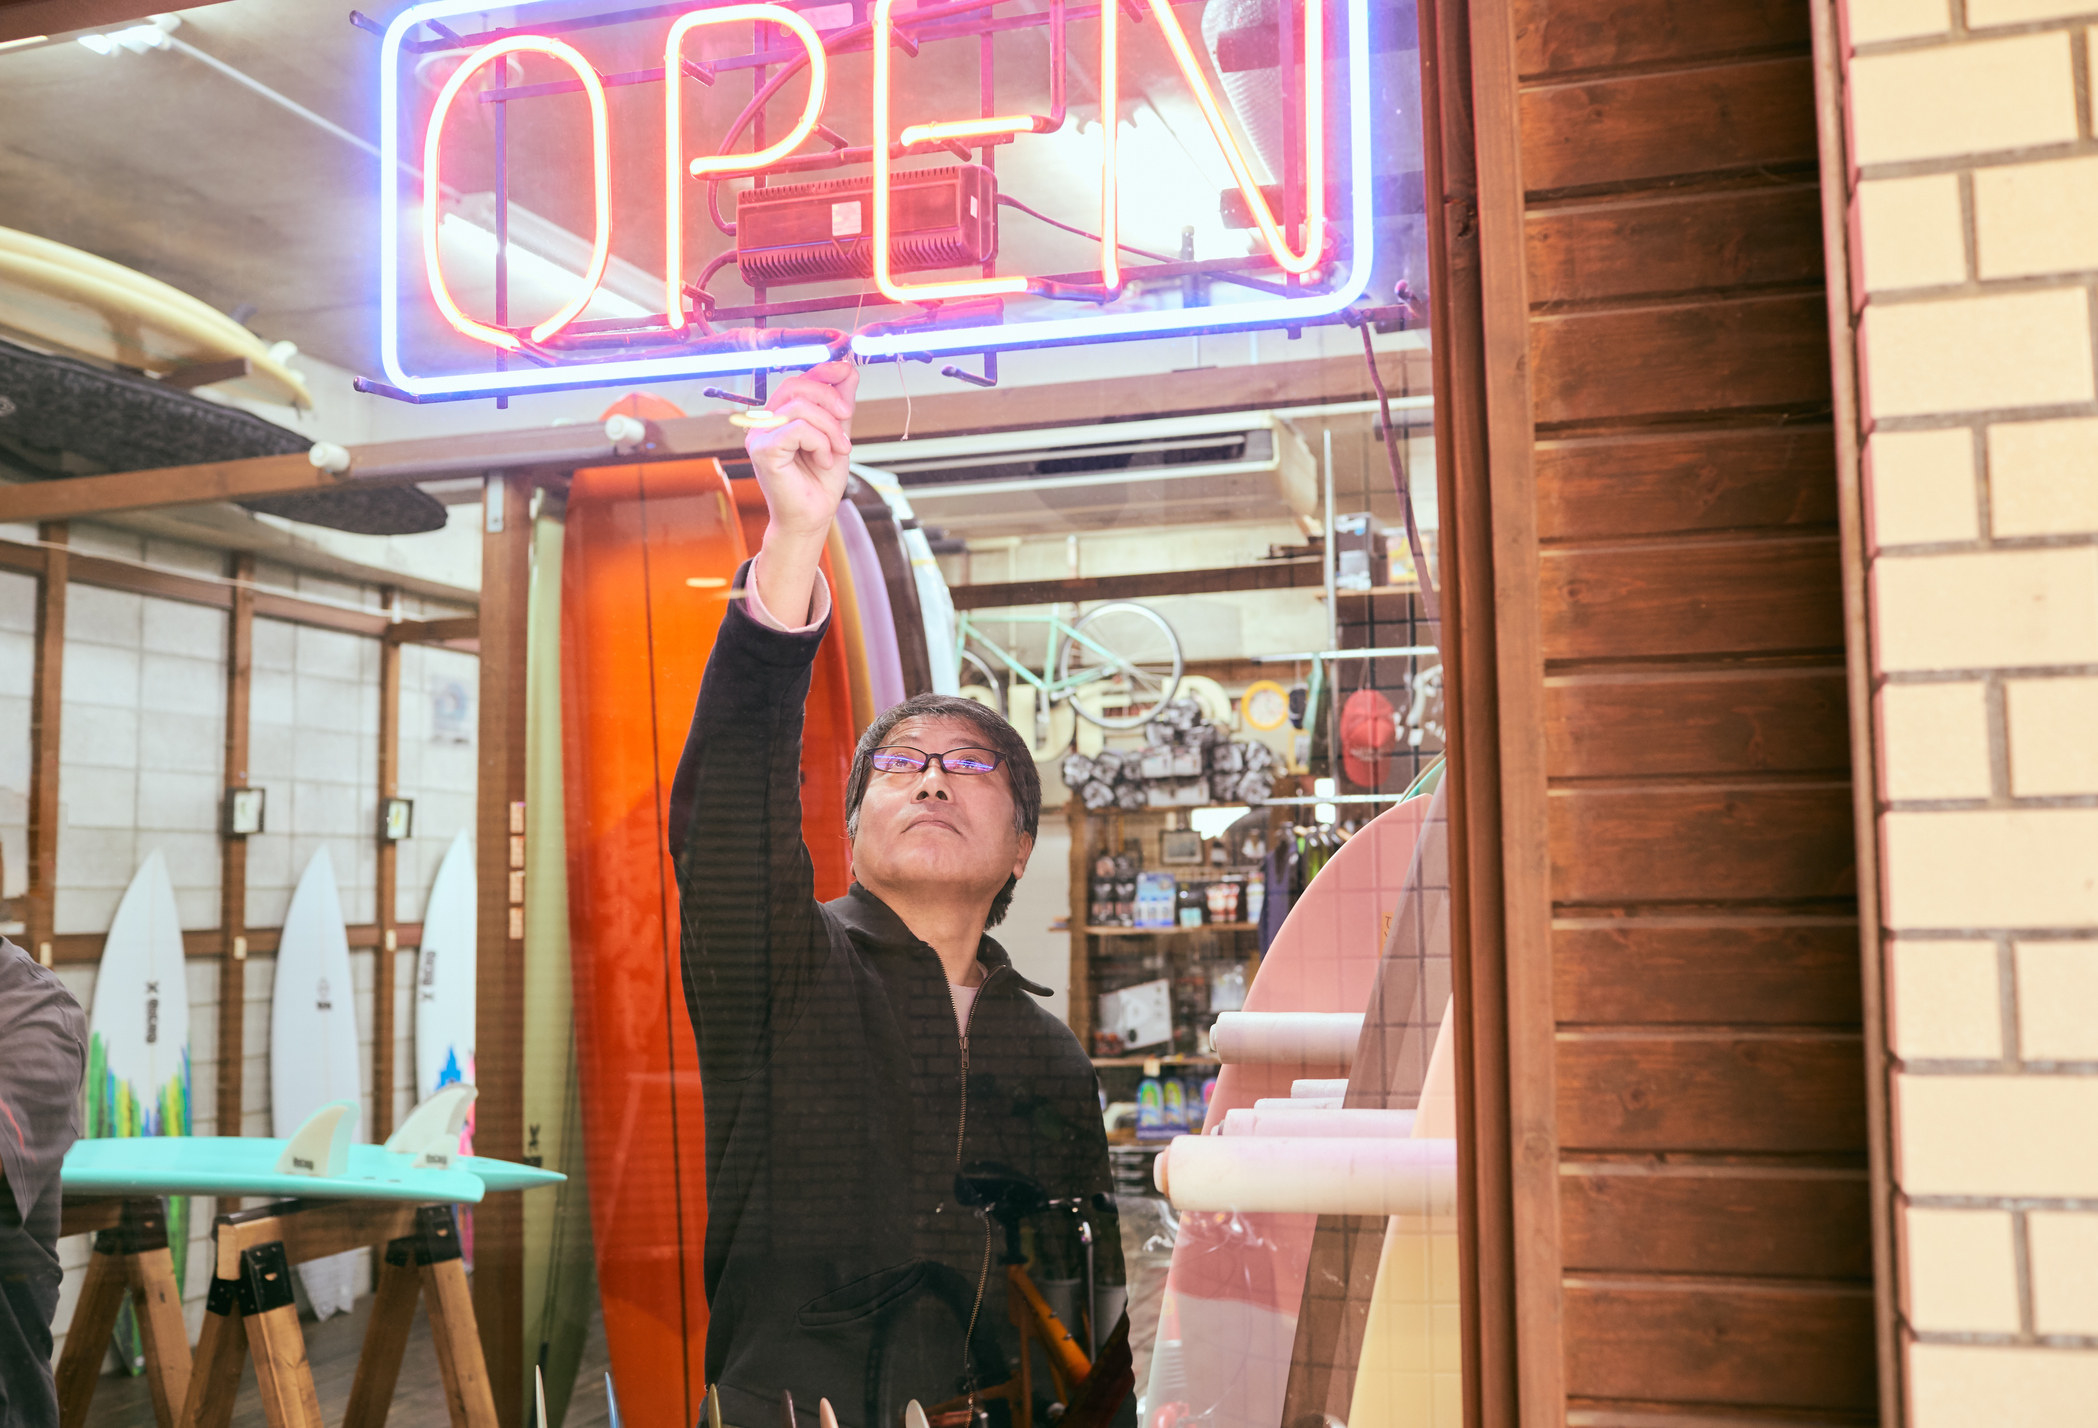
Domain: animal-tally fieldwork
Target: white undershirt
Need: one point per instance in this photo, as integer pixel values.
(964, 998)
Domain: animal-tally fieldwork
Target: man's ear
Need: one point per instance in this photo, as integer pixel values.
(1026, 852)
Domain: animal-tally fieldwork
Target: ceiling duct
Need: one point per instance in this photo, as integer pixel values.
(1195, 470)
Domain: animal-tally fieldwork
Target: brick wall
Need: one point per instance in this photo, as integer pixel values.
(1974, 225)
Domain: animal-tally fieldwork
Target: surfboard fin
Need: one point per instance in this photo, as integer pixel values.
(913, 1415)
(828, 1416)
(322, 1145)
(431, 1131)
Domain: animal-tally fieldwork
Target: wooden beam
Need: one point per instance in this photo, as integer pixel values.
(383, 1030)
(559, 449)
(1486, 1247)
(1837, 183)
(434, 632)
(191, 590)
(203, 374)
(1146, 585)
(498, 1281)
(85, 947)
(233, 852)
(46, 691)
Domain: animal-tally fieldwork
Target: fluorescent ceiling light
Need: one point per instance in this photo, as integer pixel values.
(536, 281)
(625, 285)
(153, 35)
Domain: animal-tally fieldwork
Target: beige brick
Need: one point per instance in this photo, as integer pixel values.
(1996, 1135)
(1978, 97)
(2036, 218)
(1934, 740)
(1962, 1271)
(1998, 609)
(1944, 1002)
(1871, 21)
(2053, 728)
(1974, 354)
(1987, 1386)
(2063, 1245)
(1911, 233)
(1992, 867)
(2058, 1001)
(1921, 486)
(2023, 12)
(2043, 475)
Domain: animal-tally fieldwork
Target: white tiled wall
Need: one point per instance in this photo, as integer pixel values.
(314, 744)
(141, 750)
(141, 753)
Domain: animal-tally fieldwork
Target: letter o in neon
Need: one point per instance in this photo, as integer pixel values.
(600, 170)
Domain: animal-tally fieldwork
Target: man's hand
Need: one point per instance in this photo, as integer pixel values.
(801, 467)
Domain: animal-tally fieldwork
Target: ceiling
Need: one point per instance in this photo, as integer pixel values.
(159, 162)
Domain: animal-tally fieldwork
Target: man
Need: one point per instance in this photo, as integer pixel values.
(856, 1054)
(43, 1059)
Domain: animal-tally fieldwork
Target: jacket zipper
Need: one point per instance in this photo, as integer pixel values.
(961, 1132)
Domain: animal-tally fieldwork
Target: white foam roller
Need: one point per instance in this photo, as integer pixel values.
(1314, 1087)
(1296, 1119)
(1287, 1038)
(1358, 1175)
(1297, 1103)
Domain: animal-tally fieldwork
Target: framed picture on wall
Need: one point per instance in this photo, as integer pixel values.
(1179, 845)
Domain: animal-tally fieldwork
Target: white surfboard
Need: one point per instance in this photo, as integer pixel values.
(935, 605)
(444, 978)
(138, 1041)
(313, 1043)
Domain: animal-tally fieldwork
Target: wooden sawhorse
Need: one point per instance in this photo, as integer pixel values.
(250, 1311)
(131, 1253)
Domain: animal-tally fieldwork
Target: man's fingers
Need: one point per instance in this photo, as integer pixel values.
(807, 427)
(818, 394)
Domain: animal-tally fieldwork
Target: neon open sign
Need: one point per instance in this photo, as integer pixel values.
(924, 238)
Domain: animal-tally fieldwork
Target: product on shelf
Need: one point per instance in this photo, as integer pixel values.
(1185, 762)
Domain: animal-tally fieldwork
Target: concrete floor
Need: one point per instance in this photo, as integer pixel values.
(332, 1347)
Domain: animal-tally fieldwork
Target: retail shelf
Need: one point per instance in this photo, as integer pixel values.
(1168, 931)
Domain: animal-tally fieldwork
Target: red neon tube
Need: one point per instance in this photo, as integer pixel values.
(674, 135)
(884, 52)
(600, 170)
(1256, 201)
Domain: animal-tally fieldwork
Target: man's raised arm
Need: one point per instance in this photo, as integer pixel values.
(752, 937)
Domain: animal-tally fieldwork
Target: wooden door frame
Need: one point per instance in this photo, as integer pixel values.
(1500, 914)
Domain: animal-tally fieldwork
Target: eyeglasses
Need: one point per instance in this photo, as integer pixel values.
(897, 758)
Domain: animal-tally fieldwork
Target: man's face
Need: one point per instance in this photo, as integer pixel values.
(935, 833)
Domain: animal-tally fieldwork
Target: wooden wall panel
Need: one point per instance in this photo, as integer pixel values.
(1702, 721)
(1701, 843)
(1609, 134)
(1673, 483)
(1560, 37)
(1715, 597)
(1767, 1347)
(1730, 970)
(1748, 1220)
(1717, 1092)
(1724, 241)
(1693, 359)
(1699, 1079)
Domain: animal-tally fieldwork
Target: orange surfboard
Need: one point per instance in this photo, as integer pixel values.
(649, 557)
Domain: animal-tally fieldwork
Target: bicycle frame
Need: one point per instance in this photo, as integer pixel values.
(1051, 689)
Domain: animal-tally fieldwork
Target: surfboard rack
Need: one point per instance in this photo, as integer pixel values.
(250, 1310)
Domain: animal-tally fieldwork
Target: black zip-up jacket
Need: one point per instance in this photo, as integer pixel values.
(840, 1099)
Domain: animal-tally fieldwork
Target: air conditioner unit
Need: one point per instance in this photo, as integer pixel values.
(1195, 470)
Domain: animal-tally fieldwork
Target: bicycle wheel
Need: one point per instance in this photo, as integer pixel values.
(971, 663)
(1126, 650)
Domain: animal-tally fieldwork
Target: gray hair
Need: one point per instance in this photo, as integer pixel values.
(998, 736)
